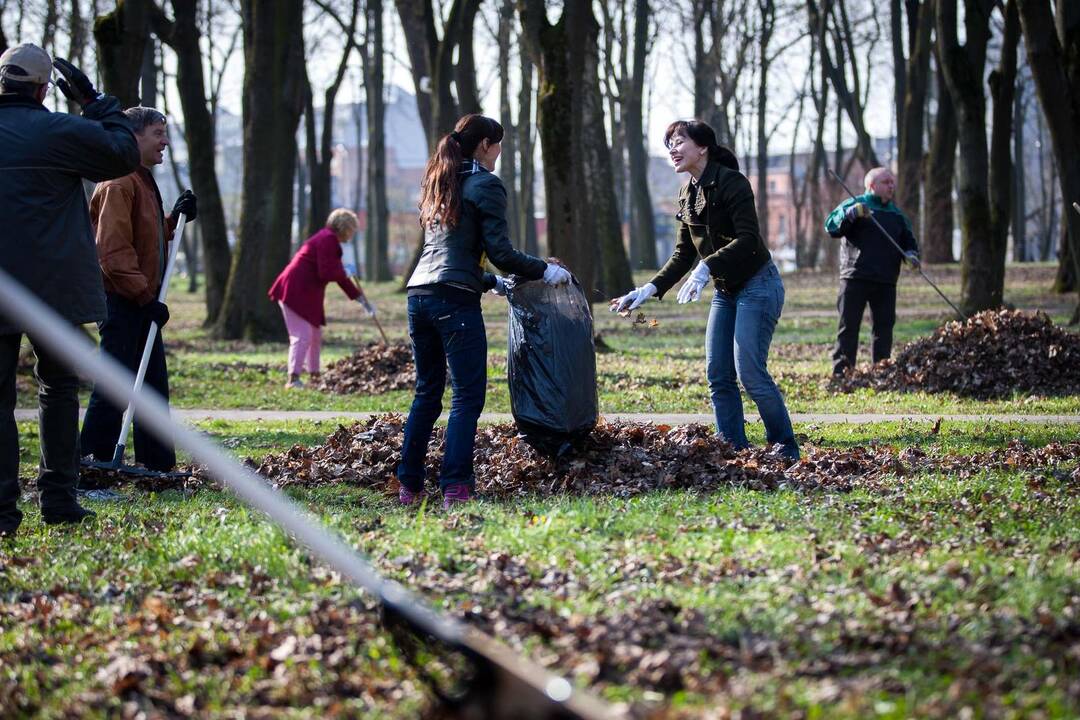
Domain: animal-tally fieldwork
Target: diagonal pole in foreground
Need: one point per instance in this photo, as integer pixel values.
(505, 686)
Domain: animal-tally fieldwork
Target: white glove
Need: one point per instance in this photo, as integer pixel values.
(913, 258)
(633, 299)
(350, 269)
(500, 286)
(556, 274)
(368, 306)
(691, 289)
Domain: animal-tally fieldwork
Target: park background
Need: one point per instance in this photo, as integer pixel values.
(931, 570)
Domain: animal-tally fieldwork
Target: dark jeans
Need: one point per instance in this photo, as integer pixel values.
(123, 336)
(853, 298)
(58, 430)
(444, 332)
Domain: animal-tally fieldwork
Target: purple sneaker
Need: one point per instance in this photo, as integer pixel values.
(406, 496)
(454, 494)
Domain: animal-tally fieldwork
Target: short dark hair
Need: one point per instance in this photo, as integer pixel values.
(143, 117)
(703, 135)
(18, 87)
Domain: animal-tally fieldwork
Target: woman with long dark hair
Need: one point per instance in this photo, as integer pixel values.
(717, 225)
(463, 213)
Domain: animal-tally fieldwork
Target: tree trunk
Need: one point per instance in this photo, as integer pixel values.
(1019, 208)
(182, 35)
(582, 226)
(272, 104)
(319, 163)
(526, 149)
(377, 237)
(962, 65)
(508, 158)
(1002, 84)
(937, 242)
(911, 106)
(1053, 53)
(76, 46)
(767, 10)
(121, 37)
(642, 227)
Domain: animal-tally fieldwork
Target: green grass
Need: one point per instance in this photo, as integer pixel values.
(935, 596)
(809, 578)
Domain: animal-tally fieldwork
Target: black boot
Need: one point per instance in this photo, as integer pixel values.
(9, 522)
(67, 515)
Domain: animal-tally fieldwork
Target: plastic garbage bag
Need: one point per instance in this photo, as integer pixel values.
(551, 363)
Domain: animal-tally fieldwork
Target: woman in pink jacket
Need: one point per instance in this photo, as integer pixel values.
(301, 287)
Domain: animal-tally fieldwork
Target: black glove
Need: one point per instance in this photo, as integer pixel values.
(75, 85)
(186, 204)
(156, 311)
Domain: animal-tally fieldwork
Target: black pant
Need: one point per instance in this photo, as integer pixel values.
(58, 430)
(123, 336)
(854, 296)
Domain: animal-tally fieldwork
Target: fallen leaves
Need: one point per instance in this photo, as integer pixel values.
(991, 355)
(621, 459)
(371, 370)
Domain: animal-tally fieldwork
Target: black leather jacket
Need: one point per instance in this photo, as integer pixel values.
(456, 257)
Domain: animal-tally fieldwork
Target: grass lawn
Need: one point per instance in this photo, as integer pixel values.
(936, 594)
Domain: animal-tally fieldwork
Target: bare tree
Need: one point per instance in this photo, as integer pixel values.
(273, 103)
(831, 22)
(76, 43)
(320, 153)
(1002, 89)
(526, 149)
(121, 37)
(583, 224)
(508, 163)
(183, 35)
(963, 66)
(377, 236)
(911, 76)
(1053, 50)
(937, 240)
(642, 226)
(722, 44)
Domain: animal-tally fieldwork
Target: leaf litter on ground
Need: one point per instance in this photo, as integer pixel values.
(372, 370)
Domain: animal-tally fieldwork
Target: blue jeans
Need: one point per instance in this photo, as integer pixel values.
(737, 346)
(444, 333)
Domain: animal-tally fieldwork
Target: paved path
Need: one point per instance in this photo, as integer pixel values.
(658, 418)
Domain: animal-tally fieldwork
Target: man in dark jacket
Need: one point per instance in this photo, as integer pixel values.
(869, 266)
(48, 246)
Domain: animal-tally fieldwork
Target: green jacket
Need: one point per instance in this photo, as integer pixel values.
(866, 254)
(729, 241)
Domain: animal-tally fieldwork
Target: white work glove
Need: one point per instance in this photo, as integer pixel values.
(500, 286)
(368, 306)
(633, 299)
(912, 258)
(691, 289)
(350, 269)
(556, 274)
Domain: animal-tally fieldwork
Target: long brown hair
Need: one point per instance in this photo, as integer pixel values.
(440, 190)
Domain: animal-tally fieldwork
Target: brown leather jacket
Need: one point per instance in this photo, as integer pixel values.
(128, 221)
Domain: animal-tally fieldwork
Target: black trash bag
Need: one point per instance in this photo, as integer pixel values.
(551, 363)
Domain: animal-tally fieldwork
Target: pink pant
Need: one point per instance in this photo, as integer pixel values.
(305, 341)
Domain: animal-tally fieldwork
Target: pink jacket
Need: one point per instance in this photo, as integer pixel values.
(302, 284)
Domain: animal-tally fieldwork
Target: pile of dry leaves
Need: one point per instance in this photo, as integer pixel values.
(993, 354)
(373, 369)
(621, 459)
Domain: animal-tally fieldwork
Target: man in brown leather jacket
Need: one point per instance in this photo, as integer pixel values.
(132, 234)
